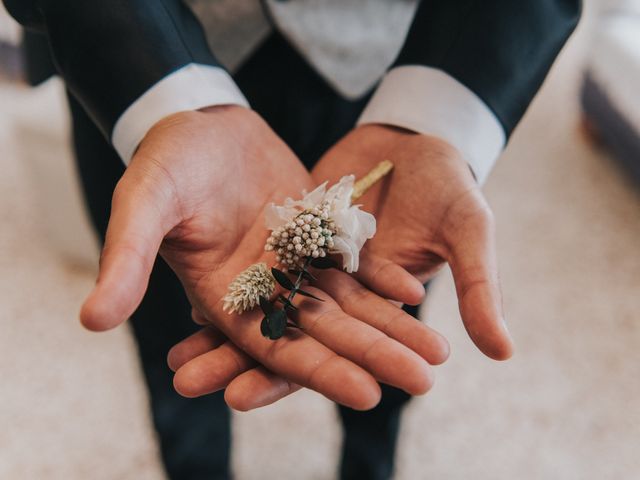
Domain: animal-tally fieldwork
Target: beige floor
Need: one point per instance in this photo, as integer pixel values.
(566, 407)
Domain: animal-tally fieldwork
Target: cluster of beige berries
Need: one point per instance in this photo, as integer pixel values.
(307, 235)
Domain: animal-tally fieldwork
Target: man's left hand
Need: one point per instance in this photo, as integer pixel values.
(429, 210)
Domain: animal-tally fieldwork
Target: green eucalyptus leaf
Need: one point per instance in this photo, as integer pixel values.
(264, 327)
(277, 321)
(282, 279)
(307, 294)
(324, 263)
(266, 306)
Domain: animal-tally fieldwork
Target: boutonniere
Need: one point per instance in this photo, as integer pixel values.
(305, 234)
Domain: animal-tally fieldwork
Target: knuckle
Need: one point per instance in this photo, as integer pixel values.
(486, 217)
(316, 375)
(481, 220)
(380, 268)
(119, 192)
(320, 317)
(198, 318)
(475, 278)
(355, 296)
(380, 342)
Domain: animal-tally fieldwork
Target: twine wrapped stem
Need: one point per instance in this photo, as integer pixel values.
(374, 175)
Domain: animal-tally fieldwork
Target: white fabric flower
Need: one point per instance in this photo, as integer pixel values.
(353, 226)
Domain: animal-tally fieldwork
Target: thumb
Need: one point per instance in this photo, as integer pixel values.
(141, 215)
(474, 267)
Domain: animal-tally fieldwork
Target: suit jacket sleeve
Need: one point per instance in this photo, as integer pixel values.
(473, 67)
(111, 52)
(500, 49)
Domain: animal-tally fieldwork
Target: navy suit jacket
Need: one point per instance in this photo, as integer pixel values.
(110, 52)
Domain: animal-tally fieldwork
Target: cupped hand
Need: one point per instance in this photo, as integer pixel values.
(430, 210)
(196, 191)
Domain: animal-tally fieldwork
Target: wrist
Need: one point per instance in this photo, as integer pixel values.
(416, 154)
(392, 141)
(213, 120)
(243, 121)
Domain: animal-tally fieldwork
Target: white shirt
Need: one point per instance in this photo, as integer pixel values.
(350, 45)
(419, 98)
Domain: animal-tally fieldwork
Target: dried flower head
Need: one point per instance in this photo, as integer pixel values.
(343, 228)
(247, 288)
(309, 234)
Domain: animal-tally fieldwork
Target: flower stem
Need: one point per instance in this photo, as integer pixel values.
(366, 182)
(293, 292)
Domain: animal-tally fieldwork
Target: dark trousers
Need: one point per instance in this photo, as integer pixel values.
(195, 434)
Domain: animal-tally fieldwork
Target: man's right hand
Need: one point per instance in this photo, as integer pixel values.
(196, 191)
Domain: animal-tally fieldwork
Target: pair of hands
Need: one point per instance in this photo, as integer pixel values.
(196, 192)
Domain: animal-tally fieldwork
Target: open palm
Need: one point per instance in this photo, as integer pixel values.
(196, 191)
(430, 211)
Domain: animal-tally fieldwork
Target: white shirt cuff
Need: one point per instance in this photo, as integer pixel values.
(191, 87)
(429, 101)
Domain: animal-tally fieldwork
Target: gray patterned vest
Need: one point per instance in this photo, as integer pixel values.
(350, 43)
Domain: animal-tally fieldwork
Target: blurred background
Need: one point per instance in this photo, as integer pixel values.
(566, 195)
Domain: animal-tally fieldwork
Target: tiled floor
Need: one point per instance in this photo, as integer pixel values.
(567, 406)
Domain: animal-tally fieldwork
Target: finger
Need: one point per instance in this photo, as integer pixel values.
(249, 389)
(198, 318)
(361, 303)
(137, 225)
(387, 360)
(474, 267)
(257, 388)
(299, 358)
(389, 280)
(193, 346)
(211, 371)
